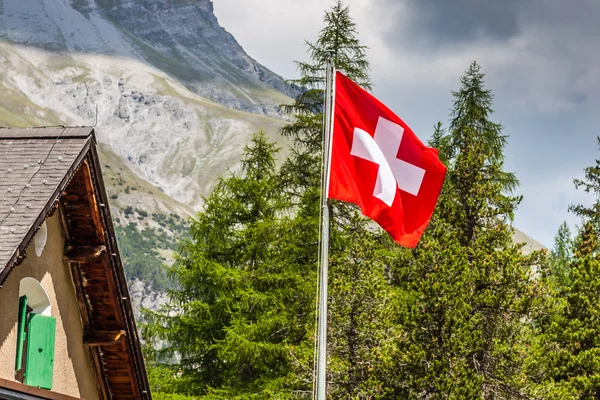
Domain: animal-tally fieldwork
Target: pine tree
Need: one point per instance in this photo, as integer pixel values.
(227, 328)
(562, 253)
(440, 141)
(570, 337)
(360, 307)
(437, 321)
(338, 40)
(359, 292)
(471, 287)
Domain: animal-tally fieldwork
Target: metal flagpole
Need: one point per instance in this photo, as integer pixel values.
(322, 350)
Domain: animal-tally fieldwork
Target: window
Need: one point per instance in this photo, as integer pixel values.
(34, 363)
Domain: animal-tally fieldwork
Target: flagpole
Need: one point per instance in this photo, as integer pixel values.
(324, 244)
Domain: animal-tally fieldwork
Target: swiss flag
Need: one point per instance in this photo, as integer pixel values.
(378, 163)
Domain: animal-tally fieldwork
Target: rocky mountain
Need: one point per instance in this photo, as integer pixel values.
(171, 137)
(179, 37)
(171, 92)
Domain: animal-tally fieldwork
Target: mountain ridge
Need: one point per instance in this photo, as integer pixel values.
(180, 37)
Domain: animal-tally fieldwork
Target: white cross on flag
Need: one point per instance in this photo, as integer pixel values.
(378, 163)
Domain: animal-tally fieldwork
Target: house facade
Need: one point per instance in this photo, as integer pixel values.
(66, 322)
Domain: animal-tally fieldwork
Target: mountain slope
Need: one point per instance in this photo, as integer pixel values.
(180, 37)
(169, 136)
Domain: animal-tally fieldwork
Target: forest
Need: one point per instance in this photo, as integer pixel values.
(467, 314)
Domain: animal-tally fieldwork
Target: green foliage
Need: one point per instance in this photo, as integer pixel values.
(465, 315)
(434, 308)
(590, 184)
(471, 129)
(234, 314)
(359, 294)
(561, 255)
(360, 327)
(569, 362)
(338, 40)
(468, 287)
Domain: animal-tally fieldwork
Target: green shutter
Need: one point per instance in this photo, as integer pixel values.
(39, 366)
(21, 331)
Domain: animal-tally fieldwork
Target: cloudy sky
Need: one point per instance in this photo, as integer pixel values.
(541, 59)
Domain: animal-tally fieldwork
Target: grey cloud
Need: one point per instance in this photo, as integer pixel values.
(438, 23)
(463, 20)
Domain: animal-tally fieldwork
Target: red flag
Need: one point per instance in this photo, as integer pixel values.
(378, 163)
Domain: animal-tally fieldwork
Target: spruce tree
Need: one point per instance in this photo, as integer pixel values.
(472, 288)
(572, 337)
(338, 40)
(227, 328)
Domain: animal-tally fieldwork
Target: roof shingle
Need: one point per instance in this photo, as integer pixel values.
(33, 163)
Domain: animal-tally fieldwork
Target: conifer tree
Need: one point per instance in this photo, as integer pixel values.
(471, 286)
(338, 40)
(561, 255)
(359, 292)
(570, 336)
(227, 328)
(360, 308)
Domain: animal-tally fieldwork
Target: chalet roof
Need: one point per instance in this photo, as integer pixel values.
(48, 170)
(33, 165)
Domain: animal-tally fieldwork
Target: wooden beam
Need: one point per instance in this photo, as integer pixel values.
(102, 338)
(91, 196)
(83, 254)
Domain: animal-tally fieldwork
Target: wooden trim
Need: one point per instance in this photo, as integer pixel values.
(102, 338)
(133, 342)
(98, 367)
(63, 222)
(35, 392)
(114, 289)
(78, 283)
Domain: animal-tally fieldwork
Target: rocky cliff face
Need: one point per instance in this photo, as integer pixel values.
(169, 136)
(179, 37)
